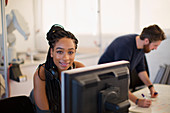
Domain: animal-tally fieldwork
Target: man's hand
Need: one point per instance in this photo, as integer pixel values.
(154, 94)
(144, 103)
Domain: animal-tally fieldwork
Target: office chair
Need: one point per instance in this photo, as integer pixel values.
(135, 82)
(18, 104)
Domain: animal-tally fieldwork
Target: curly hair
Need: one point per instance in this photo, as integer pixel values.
(56, 33)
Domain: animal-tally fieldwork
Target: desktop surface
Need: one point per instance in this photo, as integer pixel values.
(161, 104)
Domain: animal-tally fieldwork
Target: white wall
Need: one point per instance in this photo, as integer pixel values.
(155, 12)
(80, 17)
(117, 17)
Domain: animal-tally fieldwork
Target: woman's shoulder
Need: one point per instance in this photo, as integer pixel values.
(78, 64)
(40, 72)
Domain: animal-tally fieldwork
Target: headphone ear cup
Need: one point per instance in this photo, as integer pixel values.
(54, 72)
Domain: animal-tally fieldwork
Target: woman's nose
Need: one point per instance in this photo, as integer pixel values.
(66, 56)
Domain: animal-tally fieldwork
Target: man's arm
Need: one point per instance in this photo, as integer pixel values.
(140, 102)
(144, 77)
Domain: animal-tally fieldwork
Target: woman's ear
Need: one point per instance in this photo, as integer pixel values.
(146, 41)
(51, 52)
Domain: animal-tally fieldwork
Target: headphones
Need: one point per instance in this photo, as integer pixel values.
(54, 73)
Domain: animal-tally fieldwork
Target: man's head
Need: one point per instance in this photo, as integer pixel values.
(152, 37)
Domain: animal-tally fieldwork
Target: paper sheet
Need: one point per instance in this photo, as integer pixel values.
(161, 104)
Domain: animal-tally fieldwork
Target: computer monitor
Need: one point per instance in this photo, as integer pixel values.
(96, 89)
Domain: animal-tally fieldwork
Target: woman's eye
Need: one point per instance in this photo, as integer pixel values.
(60, 52)
(70, 52)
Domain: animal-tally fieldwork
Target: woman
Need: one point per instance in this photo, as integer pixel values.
(46, 95)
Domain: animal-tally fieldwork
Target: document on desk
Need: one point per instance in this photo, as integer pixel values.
(161, 104)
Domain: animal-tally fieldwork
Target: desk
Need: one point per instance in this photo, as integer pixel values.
(161, 104)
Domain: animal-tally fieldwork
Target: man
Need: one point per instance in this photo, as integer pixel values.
(132, 48)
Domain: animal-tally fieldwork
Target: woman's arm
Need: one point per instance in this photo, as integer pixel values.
(39, 90)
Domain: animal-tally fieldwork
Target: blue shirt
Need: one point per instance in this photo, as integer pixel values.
(125, 48)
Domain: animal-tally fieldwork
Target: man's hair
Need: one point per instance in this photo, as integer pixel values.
(153, 33)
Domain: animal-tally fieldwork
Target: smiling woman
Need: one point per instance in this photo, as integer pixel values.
(61, 54)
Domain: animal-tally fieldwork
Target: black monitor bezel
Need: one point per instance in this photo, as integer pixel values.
(65, 76)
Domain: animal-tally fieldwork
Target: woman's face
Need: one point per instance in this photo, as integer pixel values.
(63, 53)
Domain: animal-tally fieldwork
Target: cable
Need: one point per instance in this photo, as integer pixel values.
(8, 80)
(2, 87)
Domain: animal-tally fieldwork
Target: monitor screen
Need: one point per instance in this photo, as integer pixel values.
(96, 89)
